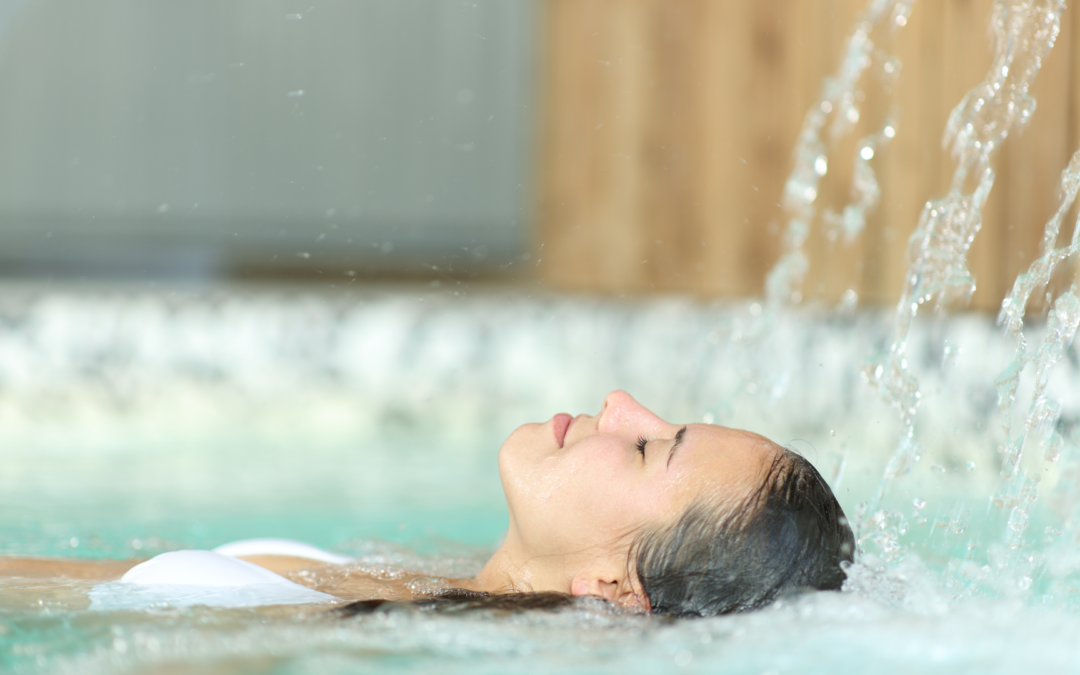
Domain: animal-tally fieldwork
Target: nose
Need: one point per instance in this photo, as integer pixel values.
(621, 413)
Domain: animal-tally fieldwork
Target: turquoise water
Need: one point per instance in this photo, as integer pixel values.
(139, 501)
(369, 423)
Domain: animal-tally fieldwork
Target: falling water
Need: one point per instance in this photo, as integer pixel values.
(1024, 31)
(1018, 489)
(840, 98)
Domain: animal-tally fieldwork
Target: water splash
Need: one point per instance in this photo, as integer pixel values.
(841, 96)
(1018, 491)
(1024, 32)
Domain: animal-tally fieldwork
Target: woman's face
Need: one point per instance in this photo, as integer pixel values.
(581, 483)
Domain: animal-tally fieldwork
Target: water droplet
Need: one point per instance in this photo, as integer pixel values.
(918, 503)
(849, 300)
(970, 465)
(889, 131)
(755, 309)
(832, 432)
(853, 115)
(826, 107)
(866, 153)
(821, 165)
(708, 418)
(900, 20)
(74, 542)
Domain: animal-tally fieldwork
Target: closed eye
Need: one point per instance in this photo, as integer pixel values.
(641, 441)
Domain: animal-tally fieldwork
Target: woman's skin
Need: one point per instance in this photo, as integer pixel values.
(578, 490)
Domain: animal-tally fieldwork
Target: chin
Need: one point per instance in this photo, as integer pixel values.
(520, 451)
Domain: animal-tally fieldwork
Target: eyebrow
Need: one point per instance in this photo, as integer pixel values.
(679, 436)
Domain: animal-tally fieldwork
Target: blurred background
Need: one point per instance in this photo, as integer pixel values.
(616, 146)
(295, 268)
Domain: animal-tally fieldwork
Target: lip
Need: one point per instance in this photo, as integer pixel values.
(560, 424)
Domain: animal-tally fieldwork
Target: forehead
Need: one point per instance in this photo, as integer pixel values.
(733, 461)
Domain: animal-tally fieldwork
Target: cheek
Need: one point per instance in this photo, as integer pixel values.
(597, 480)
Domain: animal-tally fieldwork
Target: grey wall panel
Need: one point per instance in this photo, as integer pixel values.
(217, 134)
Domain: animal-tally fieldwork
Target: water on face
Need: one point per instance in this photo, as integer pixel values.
(369, 424)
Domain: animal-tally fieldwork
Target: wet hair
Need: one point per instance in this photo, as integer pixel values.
(459, 600)
(788, 535)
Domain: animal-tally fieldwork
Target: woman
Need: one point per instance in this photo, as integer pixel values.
(684, 520)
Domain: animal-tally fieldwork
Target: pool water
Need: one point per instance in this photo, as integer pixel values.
(368, 422)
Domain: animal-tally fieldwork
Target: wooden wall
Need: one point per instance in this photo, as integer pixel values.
(668, 128)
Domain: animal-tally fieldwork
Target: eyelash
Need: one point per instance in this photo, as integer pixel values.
(641, 441)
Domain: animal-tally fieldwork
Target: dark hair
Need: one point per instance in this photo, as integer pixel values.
(456, 600)
(789, 534)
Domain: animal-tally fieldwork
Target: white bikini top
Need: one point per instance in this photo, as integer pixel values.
(213, 578)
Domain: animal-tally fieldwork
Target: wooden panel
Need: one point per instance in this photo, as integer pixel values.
(910, 169)
(669, 128)
(590, 211)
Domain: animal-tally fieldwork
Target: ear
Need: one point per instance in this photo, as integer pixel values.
(616, 591)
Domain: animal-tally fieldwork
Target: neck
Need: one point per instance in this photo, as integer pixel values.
(512, 569)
